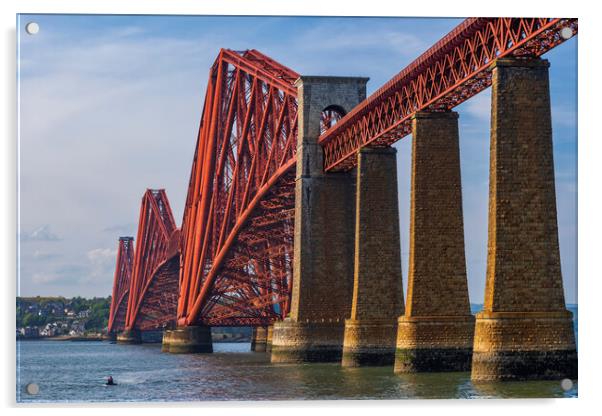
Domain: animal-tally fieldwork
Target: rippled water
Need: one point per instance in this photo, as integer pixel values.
(76, 372)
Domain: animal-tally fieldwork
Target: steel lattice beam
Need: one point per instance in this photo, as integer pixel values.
(121, 284)
(158, 239)
(241, 173)
(450, 72)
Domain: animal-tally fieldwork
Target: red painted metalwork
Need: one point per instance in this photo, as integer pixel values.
(450, 72)
(238, 219)
(154, 284)
(121, 284)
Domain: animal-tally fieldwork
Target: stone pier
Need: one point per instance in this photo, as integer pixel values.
(259, 338)
(129, 336)
(436, 332)
(269, 338)
(188, 340)
(323, 239)
(524, 331)
(371, 331)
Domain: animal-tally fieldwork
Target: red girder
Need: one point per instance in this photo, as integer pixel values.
(121, 284)
(158, 242)
(450, 72)
(243, 160)
(157, 309)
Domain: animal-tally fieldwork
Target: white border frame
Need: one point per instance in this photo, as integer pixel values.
(588, 193)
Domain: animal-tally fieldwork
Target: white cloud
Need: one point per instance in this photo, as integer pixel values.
(42, 233)
(101, 256)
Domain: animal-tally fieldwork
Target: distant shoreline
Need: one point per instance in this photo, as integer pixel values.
(100, 339)
(72, 338)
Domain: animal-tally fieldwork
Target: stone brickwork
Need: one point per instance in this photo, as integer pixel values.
(323, 243)
(269, 338)
(371, 331)
(434, 344)
(524, 331)
(129, 336)
(259, 338)
(436, 332)
(315, 341)
(187, 340)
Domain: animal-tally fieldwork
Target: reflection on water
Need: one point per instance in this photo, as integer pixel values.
(526, 389)
(75, 372)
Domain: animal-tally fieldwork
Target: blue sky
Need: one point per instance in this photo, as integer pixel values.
(110, 106)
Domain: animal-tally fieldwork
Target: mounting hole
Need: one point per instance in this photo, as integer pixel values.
(566, 33)
(566, 384)
(32, 389)
(32, 28)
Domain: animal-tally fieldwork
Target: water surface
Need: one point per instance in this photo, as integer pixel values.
(76, 372)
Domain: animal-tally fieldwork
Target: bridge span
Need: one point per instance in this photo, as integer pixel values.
(291, 221)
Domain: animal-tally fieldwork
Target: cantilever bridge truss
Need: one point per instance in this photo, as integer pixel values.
(152, 297)
(121, 284)
(235, 250)
(238, 220)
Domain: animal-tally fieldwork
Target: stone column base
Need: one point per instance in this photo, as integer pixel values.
(434, 344)
(188, 340)
(369, 343)
(268, 341)
(524, 346)
(297, 342)
(129, 336)
(259, 339)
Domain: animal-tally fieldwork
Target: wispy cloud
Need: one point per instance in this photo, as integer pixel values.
(42, 233)
(348, 37)
(45, 255)
(45, 278)
(101, 255)
(101, 264)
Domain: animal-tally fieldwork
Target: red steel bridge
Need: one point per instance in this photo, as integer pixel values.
(231, 263)
(145, 290)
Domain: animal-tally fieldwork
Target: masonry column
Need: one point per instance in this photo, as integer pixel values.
(188, 340)
(524, 330)
(129, 336)
(259, 338)
(436, 332)
(323, 238)
(377, 290)
(269, 338)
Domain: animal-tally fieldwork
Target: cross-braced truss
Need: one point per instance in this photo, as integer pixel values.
(157, 246)
(237, 227)
(121, 284)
